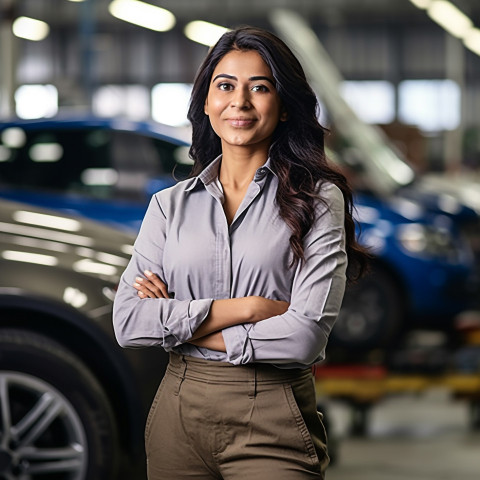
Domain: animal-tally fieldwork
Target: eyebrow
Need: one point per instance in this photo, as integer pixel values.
(251, 79)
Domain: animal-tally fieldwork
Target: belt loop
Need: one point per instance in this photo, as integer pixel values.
(181, 376)
(253, 386)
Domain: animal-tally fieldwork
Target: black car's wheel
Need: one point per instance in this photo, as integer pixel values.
(55, 420)
(371, 315)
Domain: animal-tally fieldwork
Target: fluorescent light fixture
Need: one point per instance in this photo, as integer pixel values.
(36, 101)
(142, 14)
(30, 28)
(45, 220)
(205, 33)
(472, 40)
(423, 4)
(450, 18)
(170, 103)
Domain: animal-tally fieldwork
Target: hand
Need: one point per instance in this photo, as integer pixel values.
(151, 286)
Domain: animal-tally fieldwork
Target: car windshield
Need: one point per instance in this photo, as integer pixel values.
(96, 162)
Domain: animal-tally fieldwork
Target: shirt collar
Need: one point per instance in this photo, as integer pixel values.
(207, 175)
(210, 173)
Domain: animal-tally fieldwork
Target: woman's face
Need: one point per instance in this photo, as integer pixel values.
(242, 101)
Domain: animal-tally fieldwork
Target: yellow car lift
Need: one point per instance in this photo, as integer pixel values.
(363, 385)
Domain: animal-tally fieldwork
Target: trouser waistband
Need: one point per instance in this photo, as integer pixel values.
(209, 371)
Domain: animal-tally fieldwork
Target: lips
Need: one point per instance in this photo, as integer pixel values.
(240, 122)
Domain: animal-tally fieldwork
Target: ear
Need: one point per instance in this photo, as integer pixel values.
(205, 107)
(283, 116)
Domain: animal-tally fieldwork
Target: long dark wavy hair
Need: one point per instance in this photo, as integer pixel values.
(297, 153)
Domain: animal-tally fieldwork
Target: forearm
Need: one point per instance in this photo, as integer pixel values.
(224, 313)
(221, 313)
(213, 341)
(236, 311)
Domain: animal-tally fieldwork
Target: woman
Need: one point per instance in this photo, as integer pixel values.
(239, 272)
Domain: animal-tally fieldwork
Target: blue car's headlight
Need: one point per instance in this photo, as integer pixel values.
(427, 240)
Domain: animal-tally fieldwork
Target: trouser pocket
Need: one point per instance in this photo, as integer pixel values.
(302, 402)
(153, 410)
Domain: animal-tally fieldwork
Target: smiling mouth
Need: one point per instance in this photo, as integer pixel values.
(241, 122)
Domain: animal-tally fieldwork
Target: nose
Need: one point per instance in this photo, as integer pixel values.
(241, 99)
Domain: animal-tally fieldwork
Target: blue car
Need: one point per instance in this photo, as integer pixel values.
(423, 269)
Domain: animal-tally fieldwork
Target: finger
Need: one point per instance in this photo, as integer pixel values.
(143, 291)
(149, 288)
(157, 282)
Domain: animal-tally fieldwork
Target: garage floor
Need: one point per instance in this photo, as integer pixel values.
(424, 437)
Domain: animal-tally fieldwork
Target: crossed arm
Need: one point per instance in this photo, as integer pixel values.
(223, 313)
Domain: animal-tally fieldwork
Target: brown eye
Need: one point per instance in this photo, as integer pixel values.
(225, 87)
(260, 88)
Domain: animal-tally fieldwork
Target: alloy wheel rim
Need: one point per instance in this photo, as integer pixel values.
(40, 432)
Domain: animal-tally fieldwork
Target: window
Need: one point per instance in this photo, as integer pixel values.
(432, 105)
(372, 101)
(170, 103)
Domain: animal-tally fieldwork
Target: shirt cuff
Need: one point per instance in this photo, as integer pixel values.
(198, 311)
(238, 344)
(186, 316)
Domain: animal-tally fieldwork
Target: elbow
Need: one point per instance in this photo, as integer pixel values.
(314, 347)
(122, 330)
(123, 340)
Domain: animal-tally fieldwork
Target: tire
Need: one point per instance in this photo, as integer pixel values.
(56, 422)
(372, 314)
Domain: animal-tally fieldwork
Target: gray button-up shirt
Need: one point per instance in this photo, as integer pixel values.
(186, 240)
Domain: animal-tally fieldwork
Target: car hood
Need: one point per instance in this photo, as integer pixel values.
(45, 237)
(456, 197)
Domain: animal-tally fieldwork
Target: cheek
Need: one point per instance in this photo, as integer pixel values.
(213, 110)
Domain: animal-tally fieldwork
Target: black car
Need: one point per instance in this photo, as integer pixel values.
(72, 402)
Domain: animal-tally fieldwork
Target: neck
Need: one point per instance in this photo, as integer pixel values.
(239, 165)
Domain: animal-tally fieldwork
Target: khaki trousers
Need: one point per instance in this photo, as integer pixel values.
(214, 420)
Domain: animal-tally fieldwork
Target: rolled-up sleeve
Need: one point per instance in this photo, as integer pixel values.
(153, 321)
(299, 336)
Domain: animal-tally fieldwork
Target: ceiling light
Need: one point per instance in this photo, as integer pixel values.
(36, 101)
(142, 14)
(472, 40)
(450, 18)
(205, 33)
(30, 28)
